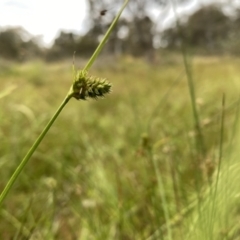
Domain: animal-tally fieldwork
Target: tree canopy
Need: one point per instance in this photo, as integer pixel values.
(208, 29)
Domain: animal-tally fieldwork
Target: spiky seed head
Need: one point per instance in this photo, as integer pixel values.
(86, 86)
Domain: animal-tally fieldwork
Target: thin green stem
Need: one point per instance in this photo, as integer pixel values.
(200, 145)
(105, 38)
(31, 151)
(52, 120)
(162, 193)
(199, 137)
(221, 137)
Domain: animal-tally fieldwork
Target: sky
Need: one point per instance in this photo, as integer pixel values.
(46, 17)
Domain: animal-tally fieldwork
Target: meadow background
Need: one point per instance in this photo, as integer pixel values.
(128, 166)
(157, 159)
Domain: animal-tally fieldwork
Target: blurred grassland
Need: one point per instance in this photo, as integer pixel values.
(105, 167)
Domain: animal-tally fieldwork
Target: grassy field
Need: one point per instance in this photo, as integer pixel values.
(130, 166)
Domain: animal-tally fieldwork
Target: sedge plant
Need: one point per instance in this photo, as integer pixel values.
(83, 87)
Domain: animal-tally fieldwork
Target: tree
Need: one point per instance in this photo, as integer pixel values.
(232, 45)
(140, 37)
(207, 28)
(18, 44)
(10, 44)
(136, 18)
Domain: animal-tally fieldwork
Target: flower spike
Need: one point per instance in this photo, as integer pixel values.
(86, 86)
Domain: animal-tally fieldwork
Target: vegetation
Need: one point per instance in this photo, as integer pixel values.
(207, 31)
(159, 160)
(83, 86)
(125, 167)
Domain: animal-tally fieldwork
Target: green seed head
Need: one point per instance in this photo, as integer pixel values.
(86, 86)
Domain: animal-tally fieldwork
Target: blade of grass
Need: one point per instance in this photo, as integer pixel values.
(70, 94)
(199, 140)
(25, 160)
(105, 38)
(162, 101)
(220, 154)
(200, 145)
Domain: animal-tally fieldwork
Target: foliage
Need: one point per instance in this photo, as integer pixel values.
(64, 46)
(67, 43)
(13, 46)
(108, 171)
(208, 29)
(83, 86)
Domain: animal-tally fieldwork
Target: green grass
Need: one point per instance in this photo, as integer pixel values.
(126, 166)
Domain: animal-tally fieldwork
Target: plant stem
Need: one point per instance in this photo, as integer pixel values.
(32, 150)
(105, 38)
(52, 120)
